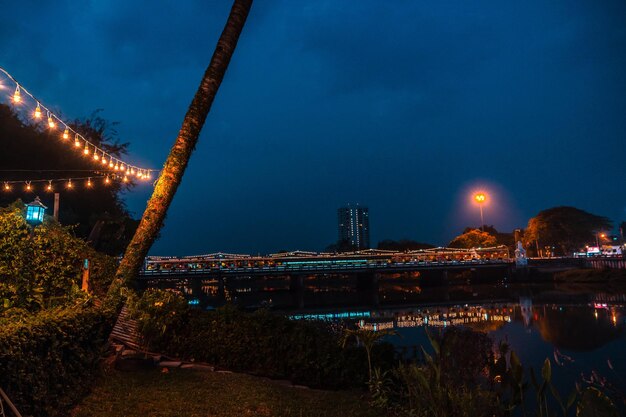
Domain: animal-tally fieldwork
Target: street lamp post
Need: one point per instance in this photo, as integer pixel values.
(480, 199)
(598, 237)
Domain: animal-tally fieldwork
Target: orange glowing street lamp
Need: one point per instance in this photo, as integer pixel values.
(480, 199)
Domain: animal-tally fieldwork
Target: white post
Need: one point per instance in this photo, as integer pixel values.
(56, 206)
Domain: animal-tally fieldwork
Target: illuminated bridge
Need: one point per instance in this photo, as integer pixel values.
(312, 263)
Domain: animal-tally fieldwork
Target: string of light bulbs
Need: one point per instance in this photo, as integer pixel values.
(49, 183)
(88, 149)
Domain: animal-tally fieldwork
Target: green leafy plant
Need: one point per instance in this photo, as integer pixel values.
(260, 343)
(50, 359)
(42, 271)
(368, 339)
(516, 397)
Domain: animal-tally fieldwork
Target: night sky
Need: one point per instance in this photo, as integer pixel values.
(403, 106)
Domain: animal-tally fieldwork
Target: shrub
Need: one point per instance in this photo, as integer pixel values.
(41, 271)
(464, 355)
(49, 360)
(261, 343)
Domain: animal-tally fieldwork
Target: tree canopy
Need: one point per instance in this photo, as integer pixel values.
(32, 152)
(473, 238)
(566, 228)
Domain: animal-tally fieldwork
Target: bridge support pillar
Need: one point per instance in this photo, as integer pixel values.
(474, 272)
(296, 287)
(296, 282)
(367, 288)
(221, 289)
(367, 281)
(195, 285)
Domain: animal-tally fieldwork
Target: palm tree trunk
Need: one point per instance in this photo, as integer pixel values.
(176, 163)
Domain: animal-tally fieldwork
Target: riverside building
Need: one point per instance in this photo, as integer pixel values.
(354, 226)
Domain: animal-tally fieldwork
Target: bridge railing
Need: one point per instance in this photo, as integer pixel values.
(324, 267)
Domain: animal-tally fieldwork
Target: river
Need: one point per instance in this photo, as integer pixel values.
(581, 328)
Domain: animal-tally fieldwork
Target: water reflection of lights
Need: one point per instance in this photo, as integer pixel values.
(439, 319)
(331, 316)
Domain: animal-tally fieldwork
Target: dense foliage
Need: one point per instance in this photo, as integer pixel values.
(474, 238)
(44, 270)
(567, 229)
(260, 343)
(49, 360)
(463, 376)
(32, 149)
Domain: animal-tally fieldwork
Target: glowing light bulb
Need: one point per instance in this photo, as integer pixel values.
(17, 97)
(149, 176)
(95, 156)
(111, 164)
(104, 159)
(122, 168)
(49, 187)
(38, 112)
(88, 182)
(51, 123)
(125, 179)
(7, 187)
(66, 134)
(132, 171)
(77, 141)
(117, 167)
(86, 150)
(28, 187)
(69, 184)
(107, 180)
(139, 174)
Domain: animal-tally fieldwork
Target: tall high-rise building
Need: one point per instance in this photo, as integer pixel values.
(354, 226)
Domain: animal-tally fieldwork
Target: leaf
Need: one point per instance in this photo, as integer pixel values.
(517, 371)
(546, 371)
(557, 397)
(533, 379)
(433, 342)
(594, 403)
(571, 399)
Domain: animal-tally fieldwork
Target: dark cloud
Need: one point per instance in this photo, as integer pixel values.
(405, 106)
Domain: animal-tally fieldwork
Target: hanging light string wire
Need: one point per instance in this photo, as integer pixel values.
(49, 170)
(100, 154)
(7, 185)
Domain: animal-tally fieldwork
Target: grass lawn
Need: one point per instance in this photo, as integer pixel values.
(189, 393)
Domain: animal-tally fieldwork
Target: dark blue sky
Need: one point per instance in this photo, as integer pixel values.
(403, 106)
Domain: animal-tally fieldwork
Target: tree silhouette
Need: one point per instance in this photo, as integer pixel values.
(565, 228)
(474, 238)
(30, 152)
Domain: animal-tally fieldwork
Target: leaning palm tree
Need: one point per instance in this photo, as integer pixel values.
(176, 163)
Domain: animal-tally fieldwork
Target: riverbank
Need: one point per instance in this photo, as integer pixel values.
(189, 393)
(588, 275)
